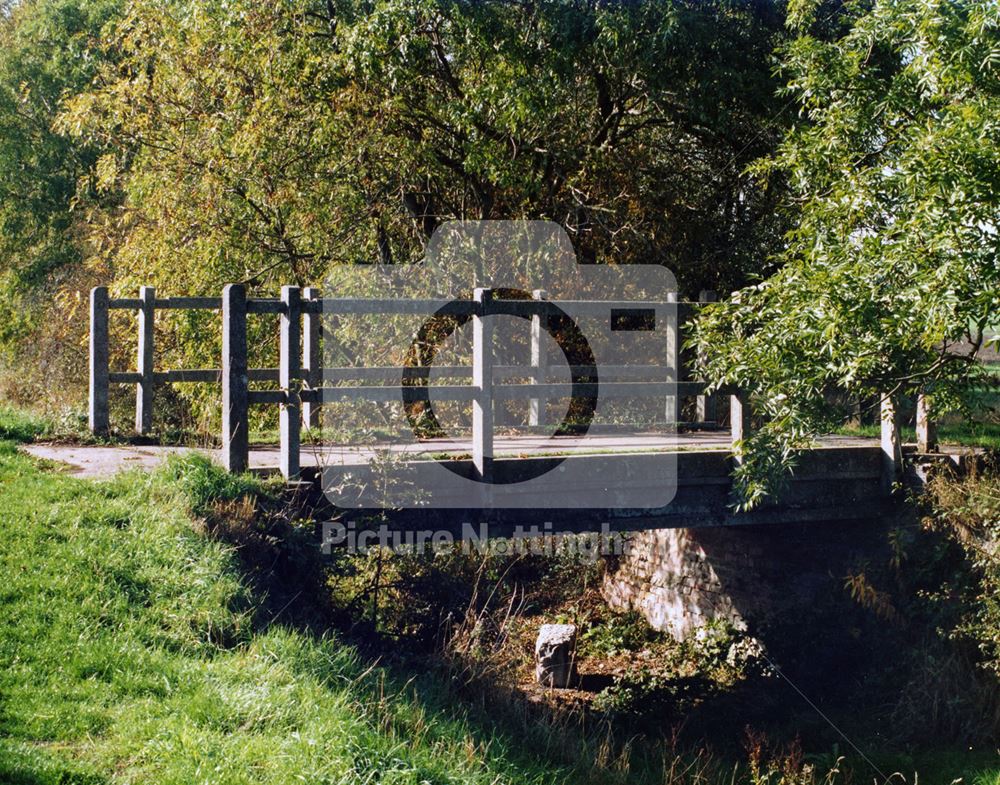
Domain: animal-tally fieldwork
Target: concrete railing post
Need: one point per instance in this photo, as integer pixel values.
(673, 359)
(892, 450)
(927, 440)
(707, 405)
(289, 374)
(482, 381)
(312, 363)
(98, 361)
(235, 380)
(144, 362)
(739, 418)
(539, 362)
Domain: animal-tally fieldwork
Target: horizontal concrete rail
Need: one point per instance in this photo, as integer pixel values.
(395, 373)
(512, 307)
(505, 392)
(170, 303)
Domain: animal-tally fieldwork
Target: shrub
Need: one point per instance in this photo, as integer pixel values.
(619, 632)
(648, 692)
(19, 426)
(969, 511)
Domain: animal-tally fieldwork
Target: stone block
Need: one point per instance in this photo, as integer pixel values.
(555, 655)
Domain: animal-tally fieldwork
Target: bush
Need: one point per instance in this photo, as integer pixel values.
(19, 426)
(968, 510)
(619, 632)
(648, 692)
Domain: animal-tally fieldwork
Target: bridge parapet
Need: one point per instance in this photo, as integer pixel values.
(301, 377)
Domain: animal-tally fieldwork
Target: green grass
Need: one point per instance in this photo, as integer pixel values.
(970, 434)
(132, 649)
(981, 430)
(962, 434)
(129, 653)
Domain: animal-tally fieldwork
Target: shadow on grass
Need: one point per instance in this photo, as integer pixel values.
(276, 542)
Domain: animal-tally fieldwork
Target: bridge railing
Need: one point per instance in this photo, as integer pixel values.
(300, 376)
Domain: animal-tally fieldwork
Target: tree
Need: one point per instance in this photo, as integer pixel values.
(267, 141)
(891, 275)
(46, 52)
(264, 142)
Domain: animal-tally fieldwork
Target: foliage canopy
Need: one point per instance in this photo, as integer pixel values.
(264, 142)
(891, 276)
(47, 51)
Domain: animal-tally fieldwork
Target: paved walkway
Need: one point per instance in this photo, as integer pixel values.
(105, 461)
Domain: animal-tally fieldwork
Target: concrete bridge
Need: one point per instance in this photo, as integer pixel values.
(838, 480)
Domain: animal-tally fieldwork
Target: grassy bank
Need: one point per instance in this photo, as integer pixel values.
(134, 649)
(131, 650)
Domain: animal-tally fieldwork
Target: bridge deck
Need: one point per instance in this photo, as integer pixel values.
(104, 461)
(841, 479)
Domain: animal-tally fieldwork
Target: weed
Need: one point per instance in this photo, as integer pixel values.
(619, 632)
